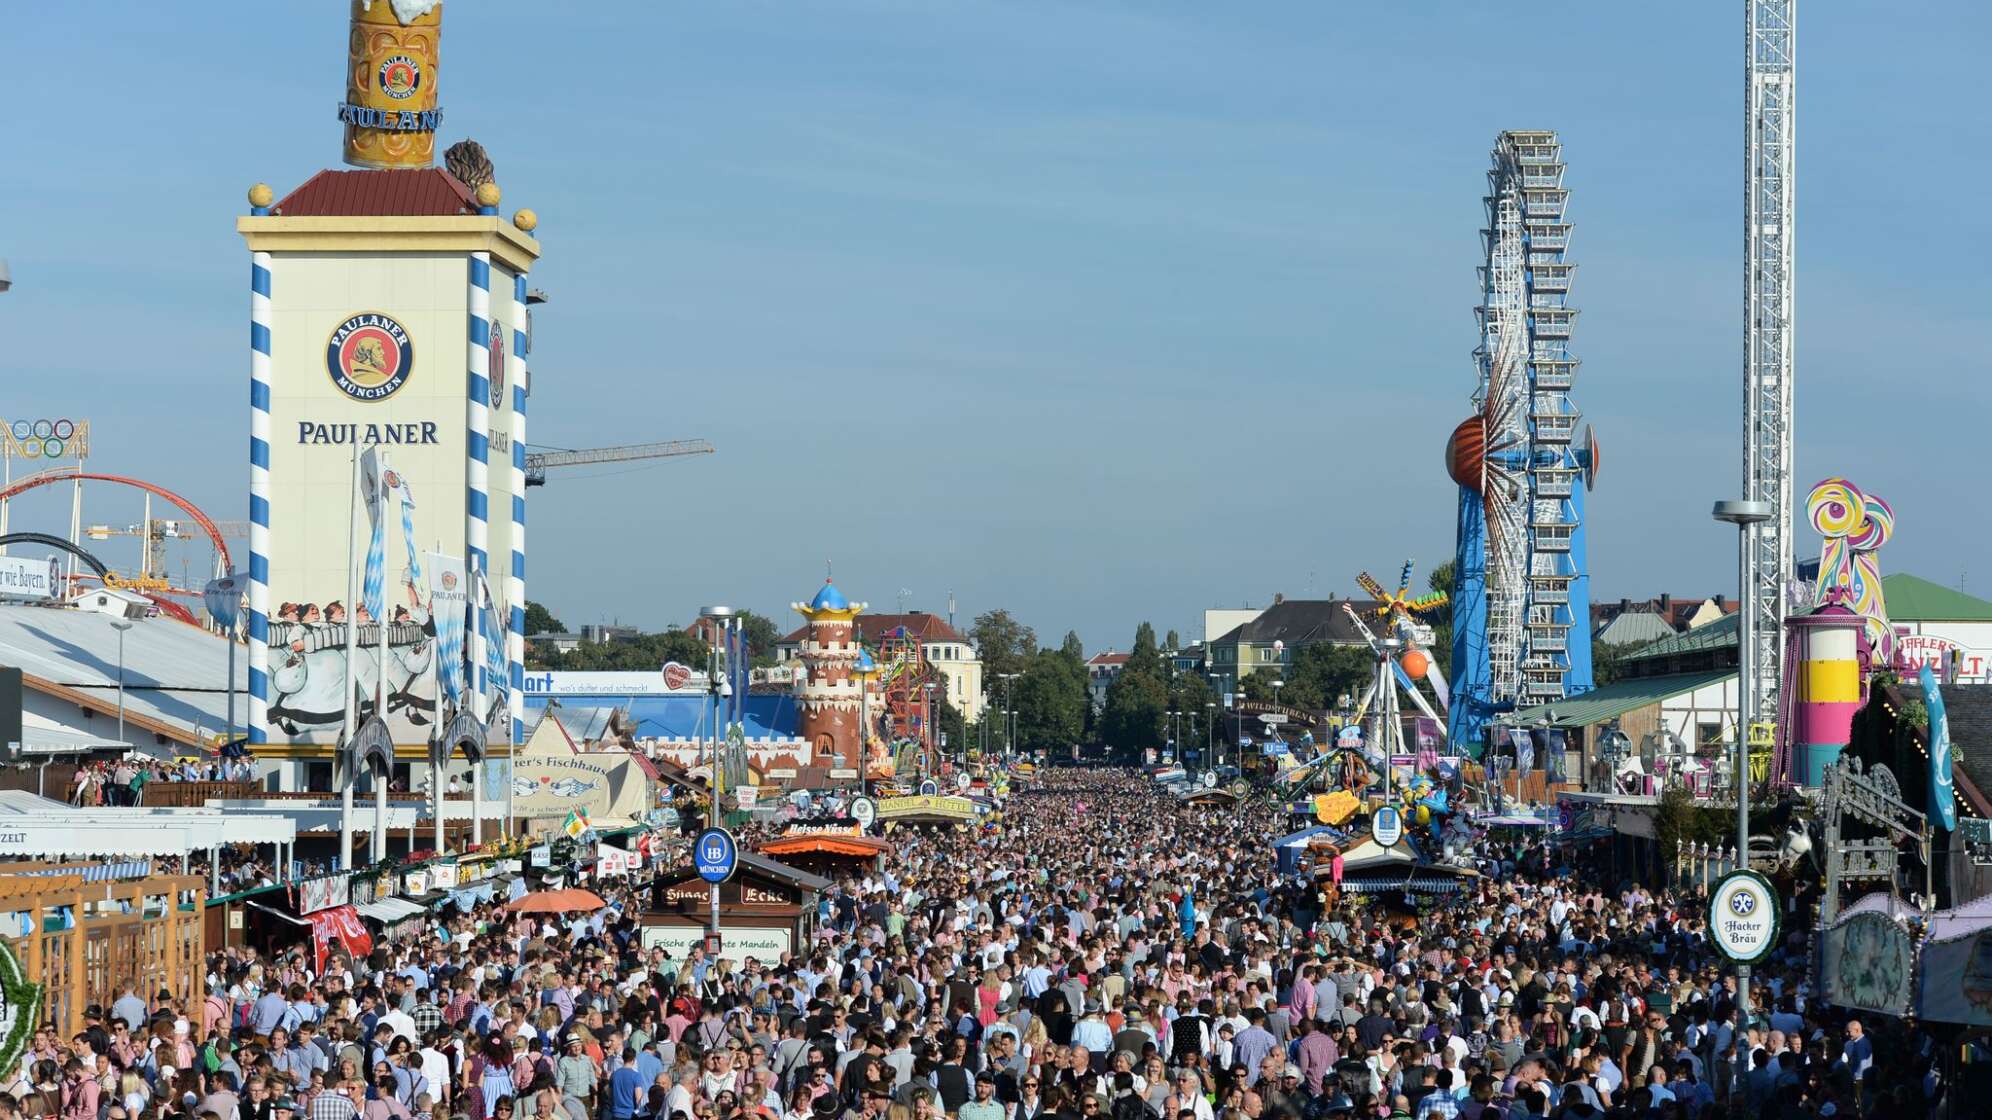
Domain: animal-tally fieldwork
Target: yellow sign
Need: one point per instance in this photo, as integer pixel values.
(953, 808)
(1763, 734)
(116, 582)
(1335, 808)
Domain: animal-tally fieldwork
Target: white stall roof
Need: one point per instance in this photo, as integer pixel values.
(39, 827)
(390, 910)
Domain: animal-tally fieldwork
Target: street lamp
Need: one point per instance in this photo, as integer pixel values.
(1746, 516)
(1277, 685)
(1210, 734)
(927, 723)
(719, 616)
(121, 627)
(1010, 715)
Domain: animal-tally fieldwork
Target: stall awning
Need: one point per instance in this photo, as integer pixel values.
(1419, 884)
(857, 847)
(1297, 839)
(388, 911)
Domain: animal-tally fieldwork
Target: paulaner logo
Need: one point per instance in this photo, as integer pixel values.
(370, 356)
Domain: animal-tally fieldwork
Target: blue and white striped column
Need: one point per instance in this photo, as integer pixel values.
(515, 590)
(477, 415)
(259, 496)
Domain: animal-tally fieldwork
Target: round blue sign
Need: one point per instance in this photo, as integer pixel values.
(1387, 825)
(715, 855)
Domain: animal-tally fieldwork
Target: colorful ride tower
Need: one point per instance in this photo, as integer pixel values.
(831, 693)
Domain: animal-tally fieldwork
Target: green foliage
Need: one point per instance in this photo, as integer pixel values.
(1003, 644)
(1677, 819)
(1145, 658)
(1051, 702)
(1072, 647)
(645, 652)
(1132, 719)
(1172, 643)
(1608, 660)
(762, 638)
(1322, 673)
(1914, 713)
(539, 620)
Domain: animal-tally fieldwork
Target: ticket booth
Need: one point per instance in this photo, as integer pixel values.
(767, 909)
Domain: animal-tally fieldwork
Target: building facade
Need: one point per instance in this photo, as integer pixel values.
(1268, 642)
(946, 650)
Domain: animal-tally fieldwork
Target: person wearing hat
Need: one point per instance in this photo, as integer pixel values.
(574, 1077)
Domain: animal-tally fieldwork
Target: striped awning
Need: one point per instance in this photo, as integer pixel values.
(100, 872)
(1418, 884)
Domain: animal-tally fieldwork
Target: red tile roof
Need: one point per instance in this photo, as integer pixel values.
(406, 191)
(1108, 658)
(872, 628)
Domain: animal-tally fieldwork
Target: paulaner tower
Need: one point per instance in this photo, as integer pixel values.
(387, 309)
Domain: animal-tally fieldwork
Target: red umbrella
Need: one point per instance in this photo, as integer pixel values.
(557, 902)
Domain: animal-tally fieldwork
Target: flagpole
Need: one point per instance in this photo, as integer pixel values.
(474, 630)
(352, 697)
(380, 682)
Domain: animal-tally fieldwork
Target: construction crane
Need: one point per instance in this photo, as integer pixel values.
(157, 531)
(537, 461)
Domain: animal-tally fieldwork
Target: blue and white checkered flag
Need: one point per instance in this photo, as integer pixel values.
(408, 526)
(447, 602)
(496, 681)
(376, 575)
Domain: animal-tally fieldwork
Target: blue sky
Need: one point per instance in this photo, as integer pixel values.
(1098, 311)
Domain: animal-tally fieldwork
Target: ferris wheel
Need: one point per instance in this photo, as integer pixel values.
(1521, 605)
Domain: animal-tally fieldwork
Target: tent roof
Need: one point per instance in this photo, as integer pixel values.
(1619, 697)
(1910, 598)
(175, 675)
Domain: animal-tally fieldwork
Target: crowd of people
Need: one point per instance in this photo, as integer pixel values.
(1101, 952)
(123, 782)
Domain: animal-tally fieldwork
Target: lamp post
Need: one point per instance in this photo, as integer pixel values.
(121, 627)
(1210, 734)
(1010, 714)
(927, 752)
(719, 617)
(1746, 516)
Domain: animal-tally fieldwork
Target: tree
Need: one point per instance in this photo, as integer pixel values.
(1073, 648)
(1189, 694)
(762, 638)
(948, 721)
(539, 620)
(1608, 661)
(1145, 658)
(1132, 719)
(1003, 644)
(1323, 672)
(1172, 643)
(1051, 702)
(644, 652)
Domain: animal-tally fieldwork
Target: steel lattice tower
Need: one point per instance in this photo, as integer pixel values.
(1770, 73)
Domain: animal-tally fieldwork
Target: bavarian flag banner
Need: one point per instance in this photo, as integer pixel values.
(577, 824)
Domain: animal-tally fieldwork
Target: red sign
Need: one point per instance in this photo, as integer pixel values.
(340, 924)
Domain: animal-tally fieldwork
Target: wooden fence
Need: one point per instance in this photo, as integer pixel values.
(87, 941)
